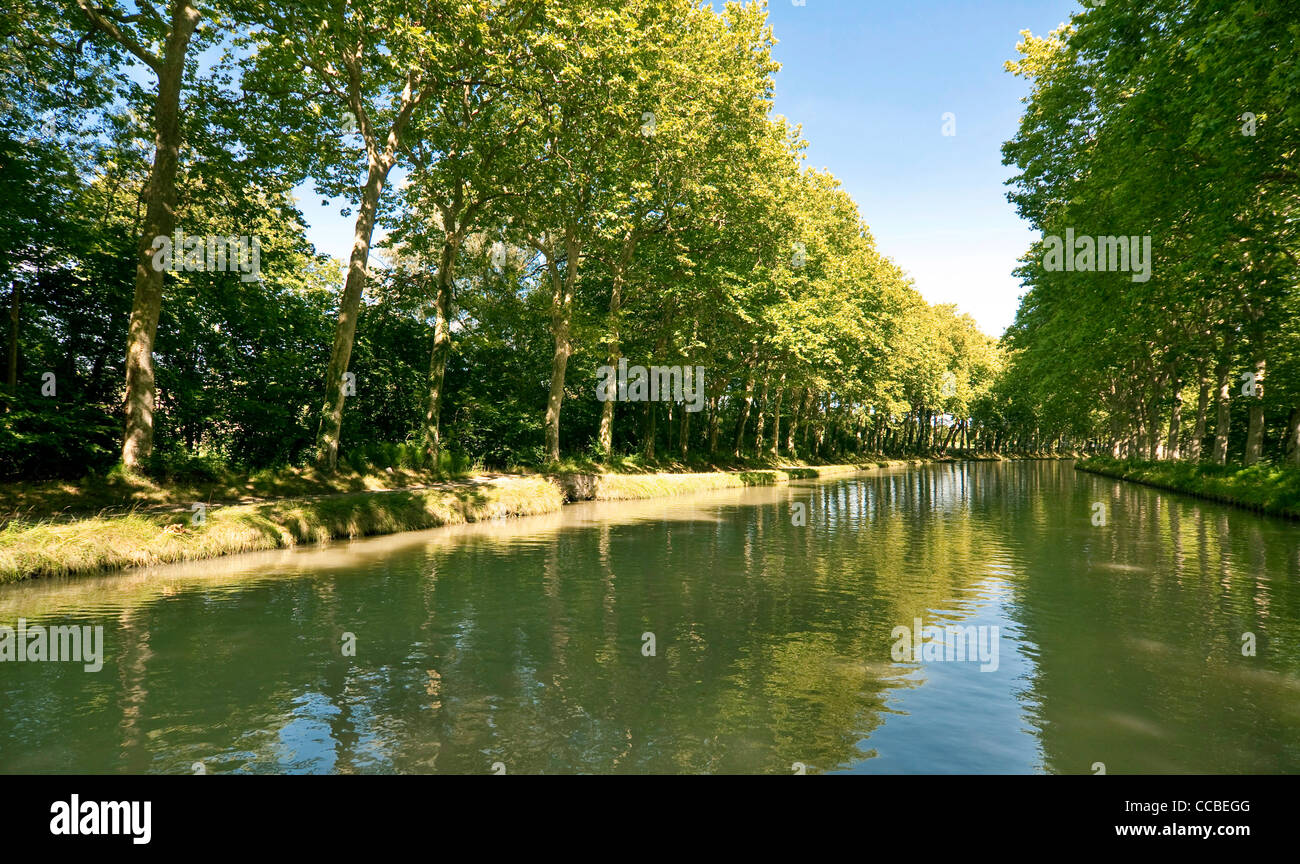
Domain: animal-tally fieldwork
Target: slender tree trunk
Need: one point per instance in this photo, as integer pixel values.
(561, 325)
(806, 423)
(1222, 375)
(713, 425)
(1293, 437)
(804, 408)
(669, 427)
(761, 420)
(159, 221)
(613, 348)
(684, 433)
(441, 350)
(952, 433)
(745, 406)
(1255, 429)
(648, 431)
(651, 418)
(331, 418)
(776, 418)
(1153, 429)
(1175, 423)
(792, 427)
(799, 410)
(612, 354)
(825, 427)
(1202, 412)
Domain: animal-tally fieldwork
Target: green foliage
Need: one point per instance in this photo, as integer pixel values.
(539, 214)
(41, 437)
(1175, 121)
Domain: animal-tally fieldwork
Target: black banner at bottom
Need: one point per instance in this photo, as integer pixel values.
(135, 814)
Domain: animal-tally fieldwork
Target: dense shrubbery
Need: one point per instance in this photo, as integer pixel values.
(43, 438)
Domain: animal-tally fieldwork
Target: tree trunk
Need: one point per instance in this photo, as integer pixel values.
(797, 409)
(159, 221)
(613, 348)
(1255, 430)
(1224, 415)
(562, 288)
(806, 420)
(761, 420)
(1202, 411)
(819, 427)
(648, 431)
(1172, 447)
(331, 419)
(776, 418)
(1153, 427)
(713, 424)
(746, 406)
(684, 433)
(441, 350)
(952, 433)
(1293, 437)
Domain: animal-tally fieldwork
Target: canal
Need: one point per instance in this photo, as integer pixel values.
(742, 631)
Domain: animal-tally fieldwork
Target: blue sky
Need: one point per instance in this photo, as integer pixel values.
(870, 81)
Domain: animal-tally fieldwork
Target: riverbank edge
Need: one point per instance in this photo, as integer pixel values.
(106, 544)
(1188, 479)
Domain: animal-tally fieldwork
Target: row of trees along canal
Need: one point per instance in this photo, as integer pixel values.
(1175, 121)
(544, 187)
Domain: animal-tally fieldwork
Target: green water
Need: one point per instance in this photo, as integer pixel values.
(521, 642)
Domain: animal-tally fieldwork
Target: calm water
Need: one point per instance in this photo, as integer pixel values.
(521, 642)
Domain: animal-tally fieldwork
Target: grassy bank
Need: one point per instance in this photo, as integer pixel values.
(141, 539)
(1270, 489)
(119, 492)
(138, 523)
